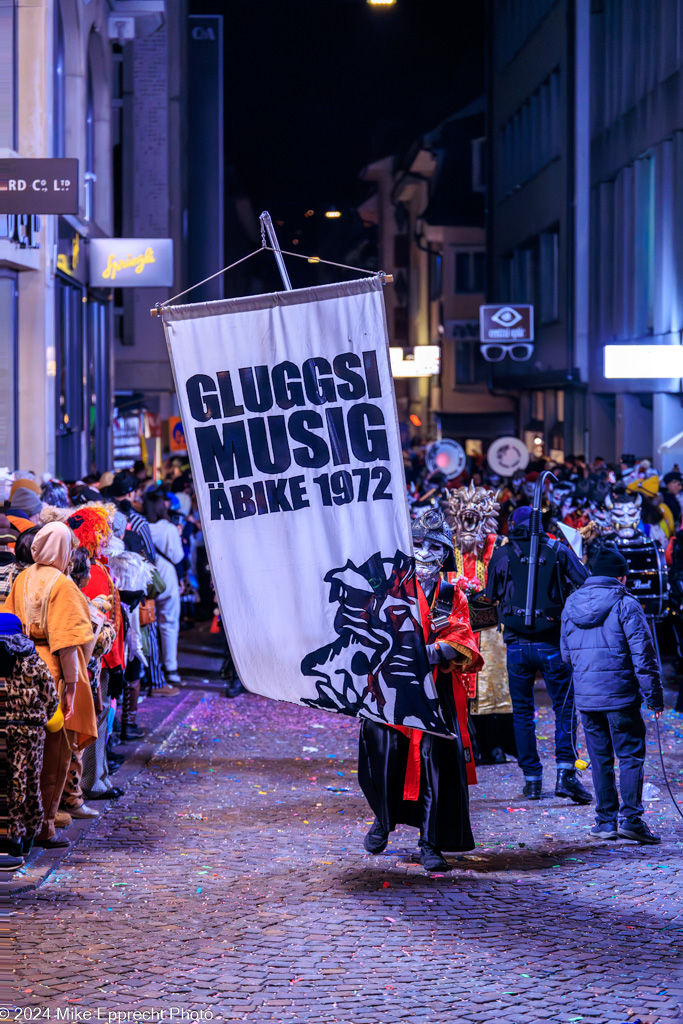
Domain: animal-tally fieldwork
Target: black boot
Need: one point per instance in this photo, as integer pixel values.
(568, 785)
(431, 858)
(377, 838)
(233, 688)
(533, 788)
(10, 863)
(131, 731)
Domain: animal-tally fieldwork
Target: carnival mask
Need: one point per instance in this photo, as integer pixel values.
(433, 544)
(473, 514)
(601, 517)
(429, 558)
(625, 517)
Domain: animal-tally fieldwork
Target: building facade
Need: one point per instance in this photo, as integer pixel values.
(427, 209)
(56, 323)
(585, 114)
(636, 187)
(173, 185)
(532, 213)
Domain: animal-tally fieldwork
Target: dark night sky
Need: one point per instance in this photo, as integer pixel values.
(316, 89)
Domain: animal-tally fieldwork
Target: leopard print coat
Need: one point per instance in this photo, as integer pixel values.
(28, 699)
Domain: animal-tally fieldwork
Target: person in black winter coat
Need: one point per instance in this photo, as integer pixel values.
(607, 639)
(536, 648)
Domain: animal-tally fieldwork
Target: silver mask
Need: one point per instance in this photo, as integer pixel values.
(429, 557)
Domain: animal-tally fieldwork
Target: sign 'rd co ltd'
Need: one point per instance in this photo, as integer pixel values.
(48, 186)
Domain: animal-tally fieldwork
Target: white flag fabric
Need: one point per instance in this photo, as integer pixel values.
(289, 412)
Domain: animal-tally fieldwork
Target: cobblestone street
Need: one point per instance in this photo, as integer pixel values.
(231, 879)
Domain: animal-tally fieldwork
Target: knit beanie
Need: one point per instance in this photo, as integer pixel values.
(8, 533)
(24, 483)
(610, 562)
(25, 500)
(520, 520)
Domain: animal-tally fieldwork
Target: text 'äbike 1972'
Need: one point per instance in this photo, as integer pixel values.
(318, 415)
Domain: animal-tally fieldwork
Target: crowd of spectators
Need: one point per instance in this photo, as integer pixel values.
(584, 487)
(94, 577)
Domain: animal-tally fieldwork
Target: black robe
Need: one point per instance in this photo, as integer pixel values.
(442, 810)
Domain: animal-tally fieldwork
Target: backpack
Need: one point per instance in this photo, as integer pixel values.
(549, 585)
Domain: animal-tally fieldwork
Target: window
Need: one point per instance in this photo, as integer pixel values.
(640, 45)
(99, 386)
(8, 75)
(538, 405)
(71, 382)
(523, 274)
(59, 88)
(117, 138)
(548, 274)
(515, 21)
(435, 276)
(90, 176)
(531, 138)
(8, 360)
(470, 272)
(401, 250)
(479, 165)
(531, 274)
(401, 325)
(470, 365)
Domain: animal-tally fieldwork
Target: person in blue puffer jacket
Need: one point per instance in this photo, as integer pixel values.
(607, 639)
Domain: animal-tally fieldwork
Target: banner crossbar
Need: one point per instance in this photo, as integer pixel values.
(278, 253)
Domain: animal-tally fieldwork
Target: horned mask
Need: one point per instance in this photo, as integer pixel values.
(624, 516)
(473, 514)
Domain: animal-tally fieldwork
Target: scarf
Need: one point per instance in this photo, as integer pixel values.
(51, 550)
(53, 546)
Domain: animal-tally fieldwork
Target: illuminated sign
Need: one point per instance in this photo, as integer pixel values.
(506, 323)
(506, 331)
(39, 186)
(67, 262)
(425, 361)
(131, 262)
(643, 361)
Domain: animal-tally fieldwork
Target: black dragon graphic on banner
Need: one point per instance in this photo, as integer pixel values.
(377, 665)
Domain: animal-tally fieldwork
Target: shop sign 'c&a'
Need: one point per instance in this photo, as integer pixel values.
(131, 262)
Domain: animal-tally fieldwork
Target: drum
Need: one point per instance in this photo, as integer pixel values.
(647, 577)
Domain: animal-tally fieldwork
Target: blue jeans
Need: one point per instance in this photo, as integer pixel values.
(620, 732)
(524, 659)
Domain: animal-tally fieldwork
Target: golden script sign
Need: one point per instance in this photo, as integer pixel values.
(132, 262)
(137, 262)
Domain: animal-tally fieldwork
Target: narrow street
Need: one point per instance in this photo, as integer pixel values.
(230, 881)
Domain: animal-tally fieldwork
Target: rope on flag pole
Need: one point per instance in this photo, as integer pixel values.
(267, 227)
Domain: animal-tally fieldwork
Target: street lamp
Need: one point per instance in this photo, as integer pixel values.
(332, 214)
(381, 3)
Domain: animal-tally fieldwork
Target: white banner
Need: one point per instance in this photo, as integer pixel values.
(288, 406)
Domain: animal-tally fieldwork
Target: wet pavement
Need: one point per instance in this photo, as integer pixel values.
(230, 883)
